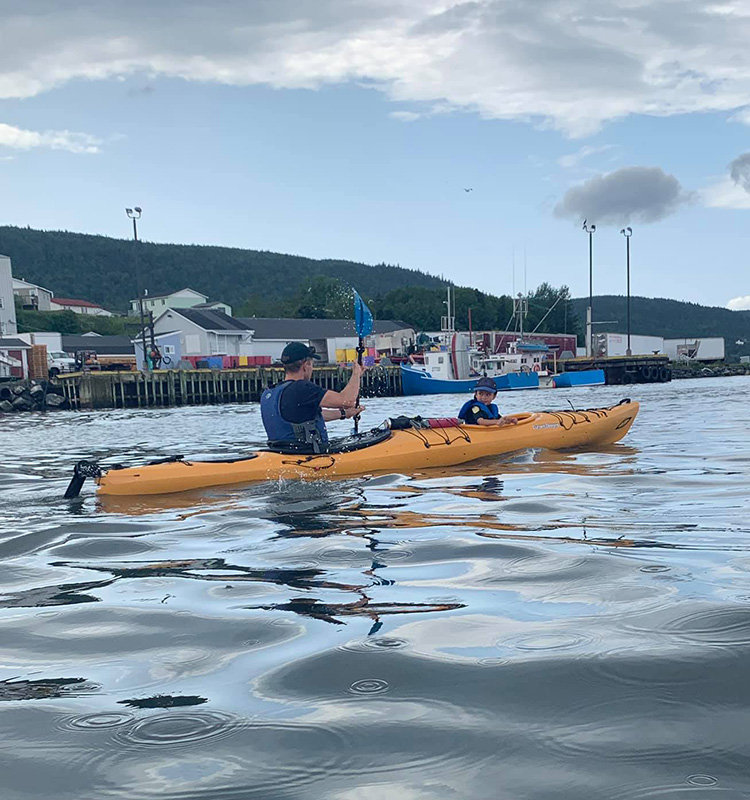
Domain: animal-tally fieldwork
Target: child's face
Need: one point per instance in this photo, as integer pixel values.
(484, 396)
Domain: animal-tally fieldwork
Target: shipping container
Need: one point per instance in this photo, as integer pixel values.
(694, 349)
(616, 344)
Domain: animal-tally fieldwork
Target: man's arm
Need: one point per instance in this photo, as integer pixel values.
(333, 414)
(347, 397)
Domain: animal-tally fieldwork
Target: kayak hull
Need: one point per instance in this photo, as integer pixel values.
(404, 451)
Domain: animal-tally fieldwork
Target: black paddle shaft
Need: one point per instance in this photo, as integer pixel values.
(360, 350)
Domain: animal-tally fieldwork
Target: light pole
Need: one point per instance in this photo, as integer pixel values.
(590, 229)
(135, 215)
(627, 233)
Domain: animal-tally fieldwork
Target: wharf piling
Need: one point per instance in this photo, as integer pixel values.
(87, 390)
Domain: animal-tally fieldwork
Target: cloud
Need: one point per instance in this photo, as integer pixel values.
(726, 194)
(739, 171)
(405, 116)
(733, 190)
(567, 64)
(20, 139)
(631, 194)
(574, 159)
(739, 303)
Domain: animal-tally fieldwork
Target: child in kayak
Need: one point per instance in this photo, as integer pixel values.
(481, 410)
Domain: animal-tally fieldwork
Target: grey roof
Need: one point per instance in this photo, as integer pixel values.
(210, 320)
(14, 344)
(168, 294)
(210, 304)
(289, 329)
(101, 345)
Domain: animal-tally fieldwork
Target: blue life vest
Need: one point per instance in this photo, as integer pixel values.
(311, 434)
(490, 410)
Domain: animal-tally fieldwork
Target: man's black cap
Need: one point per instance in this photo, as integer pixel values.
(296, 351)
(487, 384)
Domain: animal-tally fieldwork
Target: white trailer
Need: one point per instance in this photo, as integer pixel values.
(616, 344)
(709, 348)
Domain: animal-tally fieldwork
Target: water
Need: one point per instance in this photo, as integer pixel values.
(544, 625)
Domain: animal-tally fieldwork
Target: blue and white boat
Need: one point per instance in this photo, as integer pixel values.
(455, 369)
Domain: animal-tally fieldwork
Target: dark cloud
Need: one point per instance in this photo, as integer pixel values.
(739, 171)
(631, 194)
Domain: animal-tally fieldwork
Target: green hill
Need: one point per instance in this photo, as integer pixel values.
(101, 269)
(671, 319)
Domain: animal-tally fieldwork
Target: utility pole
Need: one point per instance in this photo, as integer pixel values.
(135, 215)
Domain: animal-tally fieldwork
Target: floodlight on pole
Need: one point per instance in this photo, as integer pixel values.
(590, 229)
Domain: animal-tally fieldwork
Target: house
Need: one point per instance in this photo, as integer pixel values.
(327, 336)
(185, 298)
(7, 303)
(206, 333)
(15, 358)
(156, 303)
(215, 305)
(169, 344)
(32, 296)
(78, 307)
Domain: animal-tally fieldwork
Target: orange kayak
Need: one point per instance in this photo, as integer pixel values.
(412, 449)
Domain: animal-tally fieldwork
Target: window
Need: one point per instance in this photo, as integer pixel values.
(168, 349)
(440, 359)
(1, 302)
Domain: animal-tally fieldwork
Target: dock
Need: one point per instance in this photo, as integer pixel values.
(623, 370)
(192, 387)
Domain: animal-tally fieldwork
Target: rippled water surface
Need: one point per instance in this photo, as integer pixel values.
(541, 625)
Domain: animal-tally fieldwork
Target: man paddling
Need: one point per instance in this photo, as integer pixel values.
(295, 411)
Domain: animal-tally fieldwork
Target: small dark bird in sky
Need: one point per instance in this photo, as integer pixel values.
(468, 190)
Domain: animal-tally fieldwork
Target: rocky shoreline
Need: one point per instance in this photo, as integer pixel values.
(709, 371)
(31, 396)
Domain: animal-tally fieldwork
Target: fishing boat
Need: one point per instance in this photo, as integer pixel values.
(453, 365)
(405, 445)
(525, 365)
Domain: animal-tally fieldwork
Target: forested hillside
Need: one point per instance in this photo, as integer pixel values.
(671, 319)
(101, 269)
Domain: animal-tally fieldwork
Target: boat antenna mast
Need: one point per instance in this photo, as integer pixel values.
(521, 309)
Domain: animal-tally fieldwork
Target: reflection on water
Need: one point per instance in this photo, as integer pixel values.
(542, 624)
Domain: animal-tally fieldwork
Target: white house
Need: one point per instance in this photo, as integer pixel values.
(206, 333)
(33, 297)
(185, 298)
(7, 303)
(78, 306)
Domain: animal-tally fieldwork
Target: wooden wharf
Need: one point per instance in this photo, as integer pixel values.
(163, 388)
(619, 370)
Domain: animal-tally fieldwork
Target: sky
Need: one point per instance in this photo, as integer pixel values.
(467, 139)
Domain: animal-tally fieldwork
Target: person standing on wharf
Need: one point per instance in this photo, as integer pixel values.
(295, 411)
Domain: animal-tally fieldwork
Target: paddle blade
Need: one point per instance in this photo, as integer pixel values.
(362, 317)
